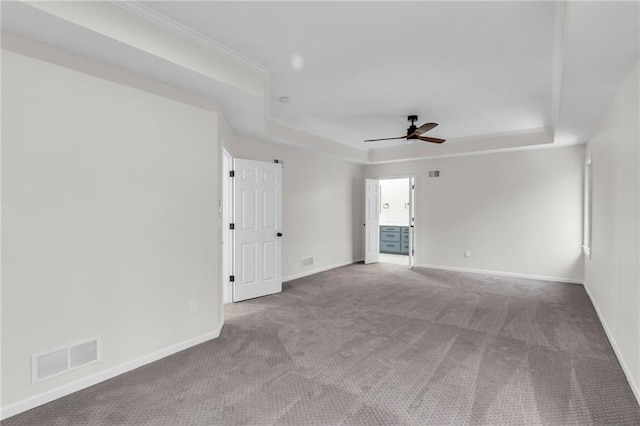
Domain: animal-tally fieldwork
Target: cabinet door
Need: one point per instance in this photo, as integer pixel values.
(390, 247)
(390, 228)
(404, 235)
(389, 236)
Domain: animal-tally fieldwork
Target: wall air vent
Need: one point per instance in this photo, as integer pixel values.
(83, 354)
(62, 359)
(51, 364)
(306, 262)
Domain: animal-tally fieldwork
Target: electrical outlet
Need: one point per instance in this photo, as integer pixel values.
(193, 307)
(467, 253)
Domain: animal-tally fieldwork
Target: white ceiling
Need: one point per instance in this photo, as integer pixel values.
(474, 68)
(479, 69)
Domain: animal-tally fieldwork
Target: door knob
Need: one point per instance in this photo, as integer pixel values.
(279, 234)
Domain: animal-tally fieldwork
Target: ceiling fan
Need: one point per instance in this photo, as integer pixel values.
(414, 132)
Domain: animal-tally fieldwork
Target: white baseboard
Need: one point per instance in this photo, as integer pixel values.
(317, 270)
(85, 382)
(627, 372)
(504, 274)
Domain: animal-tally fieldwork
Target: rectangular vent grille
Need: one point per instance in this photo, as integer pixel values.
(306, 262)
(62, 359)
(52, 363)
(83, 353)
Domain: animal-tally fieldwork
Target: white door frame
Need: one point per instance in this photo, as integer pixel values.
(413, 223)
(371, 221)
(227, 214)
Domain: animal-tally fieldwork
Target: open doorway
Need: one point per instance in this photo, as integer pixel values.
(395, 220)
(390, 220)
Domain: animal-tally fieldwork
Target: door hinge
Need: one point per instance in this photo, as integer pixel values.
(232, 226)
(232, 173)
(232, 278)
(413, 187)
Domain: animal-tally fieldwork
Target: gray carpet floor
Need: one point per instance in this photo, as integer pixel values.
(379, 344)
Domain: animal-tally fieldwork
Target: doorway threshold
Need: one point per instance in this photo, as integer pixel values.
(398, 259)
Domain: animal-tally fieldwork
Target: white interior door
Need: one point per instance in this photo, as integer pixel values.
(372, 221)
(227, 210)
(257, 200)
(412, 221)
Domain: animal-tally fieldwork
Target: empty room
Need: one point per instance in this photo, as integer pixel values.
(320, 213)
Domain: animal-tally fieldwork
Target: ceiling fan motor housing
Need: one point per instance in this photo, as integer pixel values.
(412, 128)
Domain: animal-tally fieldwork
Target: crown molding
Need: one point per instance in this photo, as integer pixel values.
(475, 153)
(472, 138)
(186, 32)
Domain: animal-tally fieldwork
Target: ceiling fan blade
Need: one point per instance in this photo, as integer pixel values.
(424, 128)
(428, 139)
(385, 139)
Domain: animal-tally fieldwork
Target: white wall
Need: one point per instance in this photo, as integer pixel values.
(612, 275)
(111, 201)
(109, 218)
(517, 212)
(395, 193)
(321, 205)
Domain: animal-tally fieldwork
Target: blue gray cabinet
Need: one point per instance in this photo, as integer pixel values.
(394, 239)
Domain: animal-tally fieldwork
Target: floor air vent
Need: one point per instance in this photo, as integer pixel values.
(305, 262)
(60, 360)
